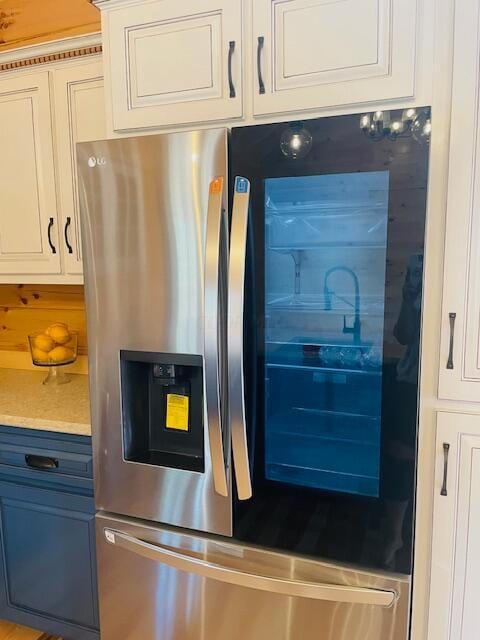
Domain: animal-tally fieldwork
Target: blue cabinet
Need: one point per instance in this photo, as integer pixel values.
(48, 568)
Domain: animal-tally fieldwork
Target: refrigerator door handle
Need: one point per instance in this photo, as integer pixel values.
(216, 225)
(272, 584)
(236, 291)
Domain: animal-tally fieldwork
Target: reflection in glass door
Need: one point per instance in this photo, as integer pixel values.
(326, 242)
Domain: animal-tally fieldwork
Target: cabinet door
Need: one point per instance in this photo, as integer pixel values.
(319, 53)
(48, 557)
(79, 117)
(28, 208)
(170, 62)
(455, 579)
(460, 345)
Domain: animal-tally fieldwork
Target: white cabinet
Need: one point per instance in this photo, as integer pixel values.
(460, 344)
(79, 117)
(44, 112)
(173, 62)
(28, 208)
(455, 579)
(321, 53)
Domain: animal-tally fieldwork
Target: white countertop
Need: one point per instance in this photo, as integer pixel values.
(26, 402)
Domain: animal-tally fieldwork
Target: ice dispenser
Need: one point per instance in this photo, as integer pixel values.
(162, 407)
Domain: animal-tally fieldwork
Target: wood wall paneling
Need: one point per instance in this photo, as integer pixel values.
(25, 309)
(25, 22)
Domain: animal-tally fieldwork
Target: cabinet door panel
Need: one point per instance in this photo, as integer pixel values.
(455, 580)
(168, 62)
(80, 117)
(314, 47)
(460, 345)
(27, 198)
(47, 552)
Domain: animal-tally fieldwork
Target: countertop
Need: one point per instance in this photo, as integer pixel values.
(26, 402)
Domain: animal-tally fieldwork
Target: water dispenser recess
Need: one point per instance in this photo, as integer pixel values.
(162, 409)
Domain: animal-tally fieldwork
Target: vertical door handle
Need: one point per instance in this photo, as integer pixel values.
(452, 318)
(231, 50)
(49, 235)
(446, 450)
(261, 84)
(236, 294)
(65, 232)
(216, 233)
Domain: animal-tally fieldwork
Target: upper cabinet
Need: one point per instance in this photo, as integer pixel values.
(323, 53)
(460, 344)
(45, 110)
(170, 63)
(79, 117)
(173, 62)
(28, 207)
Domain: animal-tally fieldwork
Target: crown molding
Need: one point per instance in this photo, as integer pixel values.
(52, 51)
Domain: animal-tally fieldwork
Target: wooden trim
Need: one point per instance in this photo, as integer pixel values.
(52, 57)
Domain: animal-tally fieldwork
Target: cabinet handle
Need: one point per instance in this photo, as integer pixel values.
(65, 231)
(261, 84)
(446, 449)
(49, 234)
(231, 51)
(452, 317)
(40, 462)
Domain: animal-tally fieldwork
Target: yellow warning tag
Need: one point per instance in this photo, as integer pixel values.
(177, 412)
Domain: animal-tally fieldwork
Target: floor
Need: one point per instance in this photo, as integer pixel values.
(10, 631)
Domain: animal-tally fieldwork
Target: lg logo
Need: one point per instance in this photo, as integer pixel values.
(96, 162)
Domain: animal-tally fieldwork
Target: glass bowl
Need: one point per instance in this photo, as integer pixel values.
(54, 353)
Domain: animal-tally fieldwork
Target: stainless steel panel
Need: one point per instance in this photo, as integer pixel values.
(144, 210)
(143, 598)
(236, 380)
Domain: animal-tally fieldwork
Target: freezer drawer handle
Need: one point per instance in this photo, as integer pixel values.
(213, 372)
(236, 294)
(282, 586)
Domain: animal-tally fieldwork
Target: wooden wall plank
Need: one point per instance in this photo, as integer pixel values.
(26, 309)
(24, 22)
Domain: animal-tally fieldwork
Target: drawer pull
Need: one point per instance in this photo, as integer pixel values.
(452, 317)
(446, 449)
(41, 462)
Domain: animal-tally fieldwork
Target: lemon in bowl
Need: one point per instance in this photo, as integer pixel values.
(54, 348)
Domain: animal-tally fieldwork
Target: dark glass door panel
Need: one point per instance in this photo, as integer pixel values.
(332, 334)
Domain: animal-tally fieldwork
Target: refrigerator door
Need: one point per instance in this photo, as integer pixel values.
(324, 324)
(164, 584)
(155, 252)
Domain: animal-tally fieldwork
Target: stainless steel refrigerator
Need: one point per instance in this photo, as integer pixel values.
(254, 308)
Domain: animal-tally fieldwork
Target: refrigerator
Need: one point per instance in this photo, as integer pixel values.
(254, 304)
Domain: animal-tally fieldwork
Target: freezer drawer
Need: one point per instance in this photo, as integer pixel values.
(164, 584)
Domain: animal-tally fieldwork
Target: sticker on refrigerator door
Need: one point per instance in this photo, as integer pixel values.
(177, 412)
(216, 186)
(241, 185)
